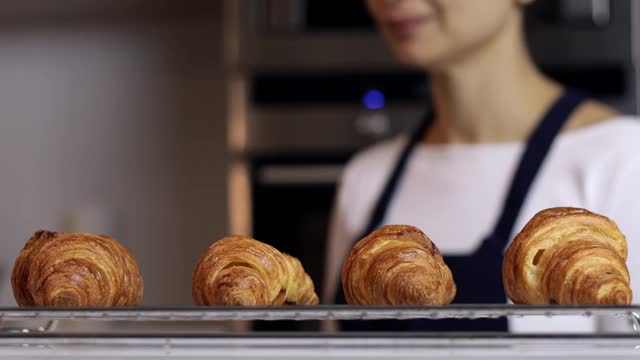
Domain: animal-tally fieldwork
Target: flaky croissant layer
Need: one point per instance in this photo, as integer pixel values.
(241, 271)
(77, 269)
(568, 256)
(397, 265)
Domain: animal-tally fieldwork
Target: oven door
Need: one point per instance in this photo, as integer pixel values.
(292, 203)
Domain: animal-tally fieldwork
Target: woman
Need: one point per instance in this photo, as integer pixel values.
(504, 141)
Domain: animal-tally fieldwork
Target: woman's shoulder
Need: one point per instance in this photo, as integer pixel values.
(619, 133)
(603, 151)
(597, 120)
(591, 112)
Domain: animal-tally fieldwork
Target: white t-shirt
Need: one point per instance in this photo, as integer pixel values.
(455, 192)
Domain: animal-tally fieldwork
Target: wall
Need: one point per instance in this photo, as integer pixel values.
(123, 119)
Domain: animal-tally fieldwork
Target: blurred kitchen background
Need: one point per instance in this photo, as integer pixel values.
(169, 124)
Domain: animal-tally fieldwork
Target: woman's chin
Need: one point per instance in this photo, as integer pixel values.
(431, 61)
(413, 60)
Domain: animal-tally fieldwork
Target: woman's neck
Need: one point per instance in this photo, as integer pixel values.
(496, 95)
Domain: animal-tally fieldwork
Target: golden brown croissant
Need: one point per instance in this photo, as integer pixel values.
(567, 256)
(241, 271)
(75, 269)
(397, 265)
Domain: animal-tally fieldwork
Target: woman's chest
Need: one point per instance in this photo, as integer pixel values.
(457, 203)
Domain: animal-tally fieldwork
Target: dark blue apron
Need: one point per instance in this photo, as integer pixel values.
(478, 276)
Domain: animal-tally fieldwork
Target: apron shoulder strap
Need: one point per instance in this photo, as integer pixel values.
(538, 146)
(380, 208)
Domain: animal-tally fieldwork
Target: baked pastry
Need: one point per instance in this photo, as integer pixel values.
(238, 270)
(77, 269)
(397, 265)
(567, 256)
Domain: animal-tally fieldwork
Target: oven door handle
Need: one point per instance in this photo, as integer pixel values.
(299, 174)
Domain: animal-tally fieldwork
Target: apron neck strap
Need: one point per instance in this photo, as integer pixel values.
(538, 146)
(380, 208)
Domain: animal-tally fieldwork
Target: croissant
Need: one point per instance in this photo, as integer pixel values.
(397, 265)
(567, 256)
(241, 271)
(75, 269)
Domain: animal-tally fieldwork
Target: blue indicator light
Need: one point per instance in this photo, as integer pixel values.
(373, 99)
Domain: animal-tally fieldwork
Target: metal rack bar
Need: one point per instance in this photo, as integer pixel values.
(311, 313)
